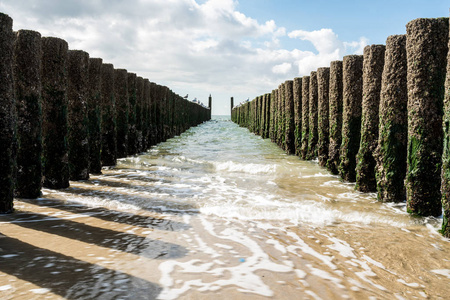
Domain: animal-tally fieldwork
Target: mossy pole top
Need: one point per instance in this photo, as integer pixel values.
(8, 116)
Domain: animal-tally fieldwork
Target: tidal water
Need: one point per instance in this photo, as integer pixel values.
(218, 213)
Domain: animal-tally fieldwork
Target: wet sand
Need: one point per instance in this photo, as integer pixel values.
(55, 249)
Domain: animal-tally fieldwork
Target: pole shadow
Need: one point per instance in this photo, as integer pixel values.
(125, 242)
(69, 277)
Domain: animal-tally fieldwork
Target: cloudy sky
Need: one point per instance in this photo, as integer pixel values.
(220, 47)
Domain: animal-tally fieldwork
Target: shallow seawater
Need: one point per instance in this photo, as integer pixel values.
(218, 213)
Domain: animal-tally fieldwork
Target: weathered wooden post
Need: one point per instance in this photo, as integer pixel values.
(335, 117)
(445, 177)
(297, 88)
(323, 83)
(261, 115)
(54, 113)
(210, 106)
(77, 95)
(373, 63)
(351, 120)
(95, 115)
(426, 50)
(132, 128)
(231, 108)
(122, 110)
(313, 116)
(390, 154)
(108, 107)
(289, 117)
(139, 106)
(27, 69)
(149, 138)
(305, 116)
(8, 116)
(275, 113)
(281, 117)
(267, 117)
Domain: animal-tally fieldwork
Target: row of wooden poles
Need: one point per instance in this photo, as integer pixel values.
(381, 119)
(64, 115)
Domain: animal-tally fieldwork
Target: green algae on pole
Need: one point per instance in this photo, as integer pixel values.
(313, 117)
(390, 153)
(297, 88)
(289, 117)
(273, 111)
(351, 119)
(108, 107)
(323, 82)
(8, 116)
(27, 85)
(95, 115)
(373, 64)
(132, 97)
(54, 113)
(77, 96)
(267, 117)
(305, 116)
(445, 175)
(426, 55)
(122, 110)
(335, 117)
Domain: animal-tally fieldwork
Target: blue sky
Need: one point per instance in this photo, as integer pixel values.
(221, 47)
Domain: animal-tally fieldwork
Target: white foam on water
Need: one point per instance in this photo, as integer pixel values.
(240, 273)
(251, 168)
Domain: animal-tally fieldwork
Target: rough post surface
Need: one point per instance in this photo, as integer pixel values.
(139, 106)
(122, 110)
(393, 123)
(108, 106)
(95, 115)
(267, 118)
(27, 69)
(372, 72)
(281, 117)
(445, 185)
(351, 120)
(289, 113)
(272, 115)
(54, 113)
(305, 116)
(313, 116)
(132, 96)
(149, 126)
(335, 117)
(8, 116)
(297, 87)
(77, 95)
(426, 50)
(323, 83)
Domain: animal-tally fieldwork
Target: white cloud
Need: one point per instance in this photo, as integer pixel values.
(192, 48)
(282, 68)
